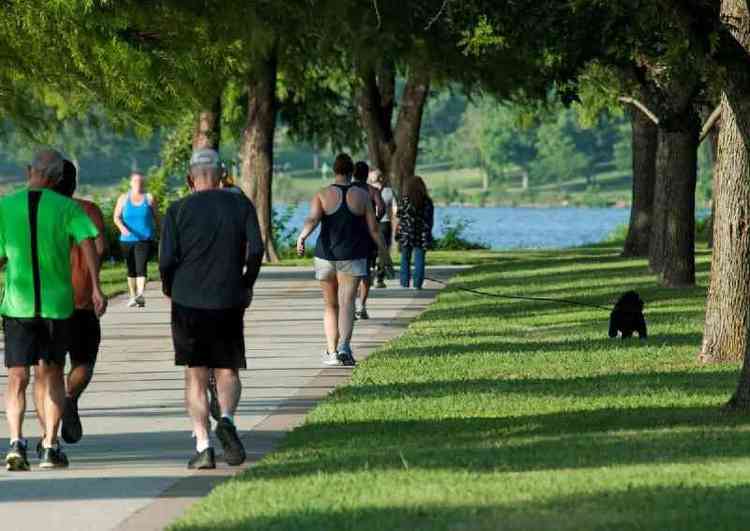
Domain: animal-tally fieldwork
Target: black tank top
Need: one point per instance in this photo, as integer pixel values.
(343, 234)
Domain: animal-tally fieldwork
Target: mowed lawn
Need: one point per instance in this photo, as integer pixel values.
(493, 414)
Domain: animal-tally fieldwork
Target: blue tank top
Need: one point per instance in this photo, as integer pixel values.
(139, 220)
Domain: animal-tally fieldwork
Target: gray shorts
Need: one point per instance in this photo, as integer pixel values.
(325, 269)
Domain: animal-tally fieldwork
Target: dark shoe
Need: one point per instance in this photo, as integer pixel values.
(72, 430)
(363, 315)
(15, 458)
(213, 403)
(234, 452)
(40, 447)
(380, 284)
(205, 460)
(53, 458)
(346, 357)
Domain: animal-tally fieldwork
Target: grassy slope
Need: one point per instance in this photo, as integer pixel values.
(494, 414)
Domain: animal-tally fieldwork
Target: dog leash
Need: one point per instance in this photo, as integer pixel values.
(520, 297)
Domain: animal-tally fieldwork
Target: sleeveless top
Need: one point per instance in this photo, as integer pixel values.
(139, 219)
(343, 234)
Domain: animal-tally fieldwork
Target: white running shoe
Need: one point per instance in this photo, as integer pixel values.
(330, 360)
(132, 302)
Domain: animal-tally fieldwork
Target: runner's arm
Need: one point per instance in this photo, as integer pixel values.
(255, 248)
(169, 253)
(92, 263)
(118, 216)
(379, 203)
(101, 241)
(311, 223)
(375, 234)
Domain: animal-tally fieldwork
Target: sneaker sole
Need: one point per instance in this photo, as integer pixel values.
(16, 463)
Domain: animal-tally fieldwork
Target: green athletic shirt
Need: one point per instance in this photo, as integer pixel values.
(37, 230)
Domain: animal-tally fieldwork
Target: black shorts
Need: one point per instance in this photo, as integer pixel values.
(29, 340)
(209, 338)
(87, 335)
(137, 255)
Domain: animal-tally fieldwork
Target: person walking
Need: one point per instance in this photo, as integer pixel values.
(348, 228)
(415, 219)
(359, 178)
(381, 181)
(136, 217)
(38, 228)
(211, 253)
(85, 326)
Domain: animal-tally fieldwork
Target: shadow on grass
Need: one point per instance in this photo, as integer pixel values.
(513, 346)
(637, 507)
(595, 438)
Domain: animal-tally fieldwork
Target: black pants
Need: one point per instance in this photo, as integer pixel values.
(386, 229)
(136, 256)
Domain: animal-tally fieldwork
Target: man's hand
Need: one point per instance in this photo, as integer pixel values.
(99, 300)
(300, 247)
(248, 298)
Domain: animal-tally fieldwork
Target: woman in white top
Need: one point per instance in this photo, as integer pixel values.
(381, 181)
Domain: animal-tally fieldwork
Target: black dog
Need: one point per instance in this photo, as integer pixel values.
(627, 317)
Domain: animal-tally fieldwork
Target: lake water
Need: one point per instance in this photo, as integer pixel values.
(524, 228)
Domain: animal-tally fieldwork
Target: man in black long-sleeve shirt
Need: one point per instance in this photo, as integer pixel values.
(211, 252)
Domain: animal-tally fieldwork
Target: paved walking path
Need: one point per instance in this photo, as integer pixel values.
(129, 471)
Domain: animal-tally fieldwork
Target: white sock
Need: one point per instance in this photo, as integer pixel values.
(201, 446)
(230, 418)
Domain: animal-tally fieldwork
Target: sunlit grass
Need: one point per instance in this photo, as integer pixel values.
(499, 414)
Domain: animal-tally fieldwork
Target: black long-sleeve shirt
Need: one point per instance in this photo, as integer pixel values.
(211, 250)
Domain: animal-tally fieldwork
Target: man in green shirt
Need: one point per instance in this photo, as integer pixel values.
(38, 227)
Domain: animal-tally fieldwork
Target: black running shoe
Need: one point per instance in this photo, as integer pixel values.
(72, 430)
(213, 403)
(234, 452)
(53, 458)
(205, 460)
(346, 357)
(40, 447)
(15, 458)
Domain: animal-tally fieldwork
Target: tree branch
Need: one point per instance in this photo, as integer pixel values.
(710, 123)
(640, 106)
(437, 16)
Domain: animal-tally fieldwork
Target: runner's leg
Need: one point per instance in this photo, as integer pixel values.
(196, 400)
(331, 316)
(54, 400)
(40, 394)
(15, 400)
(347, 295)
(79, 378)
(229, 388)
(141, 251)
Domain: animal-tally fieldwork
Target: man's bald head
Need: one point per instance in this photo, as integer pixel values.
(46, 168)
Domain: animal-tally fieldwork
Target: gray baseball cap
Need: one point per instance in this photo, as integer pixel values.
(205, 157)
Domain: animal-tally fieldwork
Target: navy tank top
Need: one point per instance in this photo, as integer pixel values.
(343, 234)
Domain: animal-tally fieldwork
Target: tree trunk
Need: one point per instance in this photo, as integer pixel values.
(393, 150)
(713, 144)
(207, 132)
(645, 142)
(725, 336)
(257, 146)
(672, 248)
(732, 222)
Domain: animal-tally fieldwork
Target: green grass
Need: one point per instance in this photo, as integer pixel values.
(497, 414)
(467, 258)
(113, 279)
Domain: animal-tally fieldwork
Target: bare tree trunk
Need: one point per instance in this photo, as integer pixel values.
(257, 146)
(672, 250)
(645, 142)
(207, 132)
(713, 139)
(725, 336)
(729, 293)
(392, 149)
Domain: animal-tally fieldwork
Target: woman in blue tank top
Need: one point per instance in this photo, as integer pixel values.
(136, 218)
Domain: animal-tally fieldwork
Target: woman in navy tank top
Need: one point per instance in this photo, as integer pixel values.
(348, 229)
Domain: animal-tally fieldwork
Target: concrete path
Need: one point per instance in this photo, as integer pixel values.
(129, 471)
